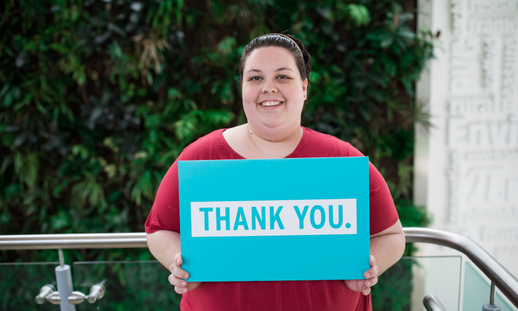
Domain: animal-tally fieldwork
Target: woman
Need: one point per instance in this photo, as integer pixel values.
(274, 72)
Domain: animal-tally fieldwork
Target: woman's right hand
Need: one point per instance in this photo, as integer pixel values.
(178, 276)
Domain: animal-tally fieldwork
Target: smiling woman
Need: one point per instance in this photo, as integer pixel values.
(274, 71)
(273, 99)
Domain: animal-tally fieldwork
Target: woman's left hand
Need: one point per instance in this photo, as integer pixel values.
(371, 278)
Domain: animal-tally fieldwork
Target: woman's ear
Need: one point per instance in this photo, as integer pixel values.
(305, 88)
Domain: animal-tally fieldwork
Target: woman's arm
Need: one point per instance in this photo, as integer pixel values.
(387, 247)
(165, 246)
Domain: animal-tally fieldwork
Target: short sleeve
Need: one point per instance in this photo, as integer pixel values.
(165, 213)
(383, 212)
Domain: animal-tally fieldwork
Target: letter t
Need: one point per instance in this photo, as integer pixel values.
(206, 211)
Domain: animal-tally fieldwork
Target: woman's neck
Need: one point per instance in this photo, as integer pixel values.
(275, 145)
(252, 144)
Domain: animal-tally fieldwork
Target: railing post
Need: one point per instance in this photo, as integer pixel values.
(64, 282)
(491, 305)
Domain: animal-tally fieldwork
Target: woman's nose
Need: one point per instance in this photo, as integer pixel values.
(269, 88)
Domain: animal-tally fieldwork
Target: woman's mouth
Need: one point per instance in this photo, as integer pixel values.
(271, 103)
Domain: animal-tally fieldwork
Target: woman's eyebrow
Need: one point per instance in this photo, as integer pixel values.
(279, 69)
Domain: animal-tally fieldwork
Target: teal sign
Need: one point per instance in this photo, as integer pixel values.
(275, 219)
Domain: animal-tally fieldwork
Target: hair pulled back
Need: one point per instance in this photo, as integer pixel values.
(290, 43)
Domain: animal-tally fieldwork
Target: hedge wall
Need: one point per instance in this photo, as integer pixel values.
(98, 98)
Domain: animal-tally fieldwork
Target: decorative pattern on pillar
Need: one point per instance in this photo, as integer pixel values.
(474, 108)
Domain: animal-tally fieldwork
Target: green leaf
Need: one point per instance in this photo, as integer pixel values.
(59, 48)
(173, 93)
(186, 126)
(359, 14)
(314, 77)
(227, 45)
(324, 11)
(364, 112)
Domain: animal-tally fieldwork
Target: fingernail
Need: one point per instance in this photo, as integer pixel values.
(183, 283)
(367, 276)
(368, 283)
(185, 276)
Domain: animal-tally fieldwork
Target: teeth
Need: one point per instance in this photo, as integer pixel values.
(271, 103)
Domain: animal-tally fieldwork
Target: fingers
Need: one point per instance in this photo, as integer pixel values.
(373, 271)
(363, 286)
(371, 276)
(178, 275)
(371, 279)
(372, 261)
(180, 285)
(366, 290)
(179, 260)
(176, 268)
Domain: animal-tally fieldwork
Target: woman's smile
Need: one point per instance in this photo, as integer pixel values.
(271, 103)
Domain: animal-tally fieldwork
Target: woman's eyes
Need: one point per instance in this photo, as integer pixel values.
(257, 78)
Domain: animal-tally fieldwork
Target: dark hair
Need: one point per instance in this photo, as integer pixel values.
(295, 46)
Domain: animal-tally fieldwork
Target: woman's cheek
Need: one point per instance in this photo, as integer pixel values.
(249, 95)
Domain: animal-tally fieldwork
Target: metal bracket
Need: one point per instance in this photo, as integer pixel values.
(49, 293)
(54, 298)
(45, 291)
(96, 292)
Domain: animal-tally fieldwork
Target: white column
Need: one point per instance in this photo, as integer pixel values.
(466, 167)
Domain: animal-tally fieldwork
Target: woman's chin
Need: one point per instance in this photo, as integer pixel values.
(274, 126)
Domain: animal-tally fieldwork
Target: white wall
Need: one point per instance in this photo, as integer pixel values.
(466, 166)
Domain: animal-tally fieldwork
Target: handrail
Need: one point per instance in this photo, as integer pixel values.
(73, 241)
(432, 303)
(502, 278)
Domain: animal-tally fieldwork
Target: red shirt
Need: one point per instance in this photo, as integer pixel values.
(274, 295)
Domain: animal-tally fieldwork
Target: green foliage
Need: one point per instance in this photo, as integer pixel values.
(129, 285)
(20, 283)
(98, 98)
(392, 293)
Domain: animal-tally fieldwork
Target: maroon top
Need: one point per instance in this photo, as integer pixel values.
(273, 295)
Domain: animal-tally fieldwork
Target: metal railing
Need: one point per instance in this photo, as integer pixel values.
(500, 276)
(73, 241)
(432, 303)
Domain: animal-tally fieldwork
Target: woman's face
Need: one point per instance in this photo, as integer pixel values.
(273, 92)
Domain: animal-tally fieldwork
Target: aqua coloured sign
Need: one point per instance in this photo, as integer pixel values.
(275, 219)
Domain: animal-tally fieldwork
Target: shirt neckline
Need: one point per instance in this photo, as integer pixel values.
(291, 155)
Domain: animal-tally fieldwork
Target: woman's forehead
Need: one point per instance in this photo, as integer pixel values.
(270, 58)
